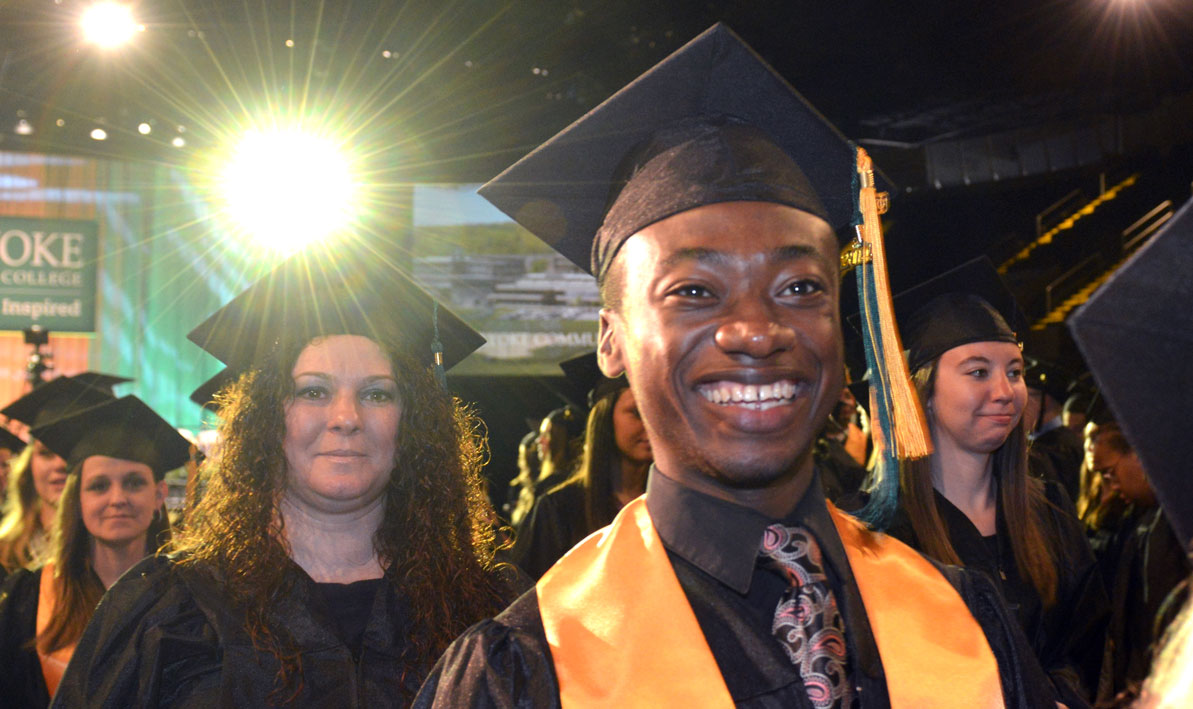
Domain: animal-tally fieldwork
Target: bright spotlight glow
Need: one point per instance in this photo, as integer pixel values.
(23, 127)
(144, 129)
(108, 24)
(99, 134)
(178, 142)
(286, 189)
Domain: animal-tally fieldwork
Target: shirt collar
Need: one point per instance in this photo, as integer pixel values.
(721, 538)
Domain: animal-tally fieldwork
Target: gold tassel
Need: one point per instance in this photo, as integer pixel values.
(910, 428)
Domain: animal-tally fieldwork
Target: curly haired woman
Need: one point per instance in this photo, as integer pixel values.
(342, 541)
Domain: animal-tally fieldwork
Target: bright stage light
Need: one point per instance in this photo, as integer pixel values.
(109, 24)
(286, 189)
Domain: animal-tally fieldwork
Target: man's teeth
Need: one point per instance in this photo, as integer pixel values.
(758, 395)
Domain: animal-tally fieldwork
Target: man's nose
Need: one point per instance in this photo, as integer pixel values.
(758, 338)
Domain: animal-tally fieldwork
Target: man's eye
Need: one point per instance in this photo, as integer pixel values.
(692, 291)
(804, 287)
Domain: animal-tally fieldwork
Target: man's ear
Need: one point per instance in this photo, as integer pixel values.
(609, 346)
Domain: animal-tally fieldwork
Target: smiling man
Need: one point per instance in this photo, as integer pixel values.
(708, 195)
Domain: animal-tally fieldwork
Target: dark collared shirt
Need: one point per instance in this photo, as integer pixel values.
(722, 540)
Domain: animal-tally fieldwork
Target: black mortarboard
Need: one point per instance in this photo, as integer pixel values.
(63, 396)
(571, 418)
(1047, 377)
(710, 123)
(11, 441)
(204, 395)
(1050, 357)
(969, 303)
(585, 375)
(1136, 333)
(122, 428)
(333, 293)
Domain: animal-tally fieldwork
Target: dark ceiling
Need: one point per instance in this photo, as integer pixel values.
(982, 113)
(456, 89)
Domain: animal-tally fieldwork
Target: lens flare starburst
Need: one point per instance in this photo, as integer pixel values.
(109, 24)
(285, 188)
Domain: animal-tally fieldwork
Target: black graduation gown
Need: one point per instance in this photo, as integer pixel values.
(506, 661)
(1151, 565)
(840, 475)
(555, 525)
(22, 683)
(1069, 637)
(165, 635)
(1065, 450)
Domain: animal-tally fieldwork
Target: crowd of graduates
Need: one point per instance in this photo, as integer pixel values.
(723, 524)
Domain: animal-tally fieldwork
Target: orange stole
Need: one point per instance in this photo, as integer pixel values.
(933, 652)
(622, 633)
(620, 628)
(53, 665)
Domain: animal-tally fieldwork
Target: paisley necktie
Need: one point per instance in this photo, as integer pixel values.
(807, 621)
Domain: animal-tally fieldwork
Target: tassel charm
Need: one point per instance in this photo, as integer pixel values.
(437, 349)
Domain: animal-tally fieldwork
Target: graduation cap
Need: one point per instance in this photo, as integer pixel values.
(571, 418)
(710, 123)
(1049, 354)
(713, 123)
(586, 376)
(204, 395)
(347, 292)
(122, 428)
(10, 441)
(1135, 333)
(969, 303)
(63, 396)
(1052, 379)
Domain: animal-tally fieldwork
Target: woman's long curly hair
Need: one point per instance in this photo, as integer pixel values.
(435, 541)
(22, 513)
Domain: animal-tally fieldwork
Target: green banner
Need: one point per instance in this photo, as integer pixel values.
(47, 274)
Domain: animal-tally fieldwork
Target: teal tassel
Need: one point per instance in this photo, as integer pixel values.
(437, 349)
(884, 482)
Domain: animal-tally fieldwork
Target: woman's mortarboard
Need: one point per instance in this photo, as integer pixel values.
(710, 123)
(204, 394)
(337, 293)
(1052, 379)
(969, 303)
(63, 396)
(124, 428)
(587, 378)
(11, 441)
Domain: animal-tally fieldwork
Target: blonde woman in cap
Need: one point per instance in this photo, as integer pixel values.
(39, 474)
(110, 516)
